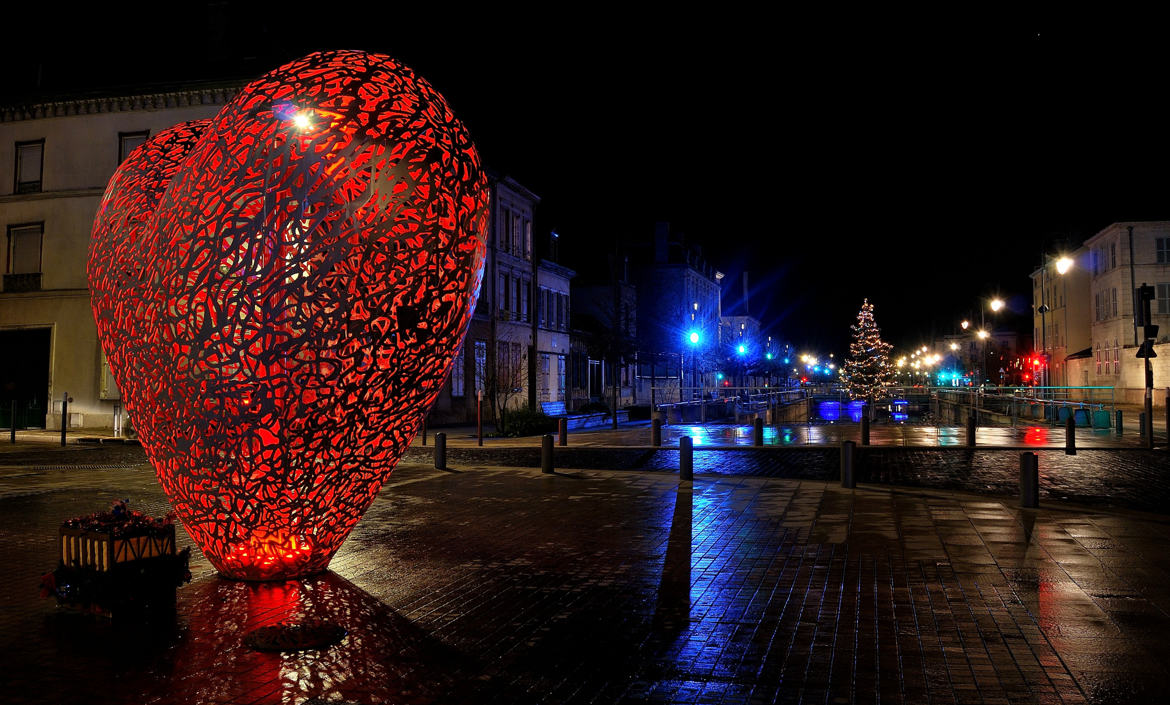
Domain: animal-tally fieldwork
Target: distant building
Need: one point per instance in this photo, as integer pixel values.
(678, 299)
(58, 157)
(965, 357)
(605, 315)
(1060, 322)
(517, 345)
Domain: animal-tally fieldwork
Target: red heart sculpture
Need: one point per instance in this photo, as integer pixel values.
(281, 291)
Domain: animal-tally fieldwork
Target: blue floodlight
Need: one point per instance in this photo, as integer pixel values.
(694, 337)
(769, 356)
(742, 349)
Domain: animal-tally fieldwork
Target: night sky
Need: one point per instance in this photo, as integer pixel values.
(924, 162)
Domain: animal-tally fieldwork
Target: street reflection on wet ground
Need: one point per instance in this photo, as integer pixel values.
(508, 586)
(907, 434)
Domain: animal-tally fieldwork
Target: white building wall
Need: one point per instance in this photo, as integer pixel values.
(81, 149)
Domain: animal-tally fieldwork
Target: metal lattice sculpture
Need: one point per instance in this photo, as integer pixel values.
(281, 291)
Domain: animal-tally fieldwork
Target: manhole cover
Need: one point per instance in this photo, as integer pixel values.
(295, 637)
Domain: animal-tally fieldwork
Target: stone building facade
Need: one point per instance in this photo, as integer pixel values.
(1112, 263)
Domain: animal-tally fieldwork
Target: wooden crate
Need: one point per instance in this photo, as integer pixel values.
(101, 551)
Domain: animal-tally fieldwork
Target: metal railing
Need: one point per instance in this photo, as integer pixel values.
(1012, 406)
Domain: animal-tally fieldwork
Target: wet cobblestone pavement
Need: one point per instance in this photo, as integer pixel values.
(503, 585)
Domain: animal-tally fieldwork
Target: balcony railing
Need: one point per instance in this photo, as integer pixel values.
(30, 281)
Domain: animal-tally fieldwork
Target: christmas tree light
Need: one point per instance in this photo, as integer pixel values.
(867, 371)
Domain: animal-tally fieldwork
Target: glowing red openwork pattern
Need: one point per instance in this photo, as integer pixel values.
(281, 291)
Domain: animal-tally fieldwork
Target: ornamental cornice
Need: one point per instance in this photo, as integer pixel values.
(161, 100)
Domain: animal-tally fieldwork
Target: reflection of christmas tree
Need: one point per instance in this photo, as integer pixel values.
(868, 368)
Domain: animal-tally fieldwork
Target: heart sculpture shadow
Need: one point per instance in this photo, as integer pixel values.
(281, 292)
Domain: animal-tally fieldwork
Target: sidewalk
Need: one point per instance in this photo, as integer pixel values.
(503, 585)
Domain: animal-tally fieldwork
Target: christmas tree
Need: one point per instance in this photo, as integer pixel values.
(867, 370)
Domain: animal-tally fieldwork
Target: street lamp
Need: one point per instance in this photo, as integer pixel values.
(694, 339)
(1063, 264)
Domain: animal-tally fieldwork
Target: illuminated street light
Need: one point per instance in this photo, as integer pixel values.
(694, 338)
(1064, 264)
(983, 334)
(996, 304)
(954, 346)
(301, 120)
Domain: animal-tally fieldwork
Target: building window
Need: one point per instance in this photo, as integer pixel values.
(501, 364)
(545, 380)
(505, 229)
(129, 141)
(1098, 358)
(1113, 296)
(502, 295)
(528, 239)
(1113, 255)
(561, 378)
(457, 375)
(24, 257)
(1162, 249)
(1163, 297)
(480, 363)
(517, 300)
(1116, 356)
(517, 372)
(30, 161)
(524, 301)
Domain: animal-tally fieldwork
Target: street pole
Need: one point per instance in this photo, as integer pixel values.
(479, 415)
(1150, 405)
(65, 415)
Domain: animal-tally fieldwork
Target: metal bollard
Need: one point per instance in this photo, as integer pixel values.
(563, 431)
(424, 425)
(64, 416)
(971, 424)
(1117, 422)
(546, 452)
(864, 430)
(1070, 435)
(686, 459)
(1029, 480)
(848, 479)
(758, 434)
(656, 432)
(440, 451)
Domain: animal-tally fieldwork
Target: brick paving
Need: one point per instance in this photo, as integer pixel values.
(503, 585)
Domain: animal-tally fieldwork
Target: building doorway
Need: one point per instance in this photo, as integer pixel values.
(24, 376)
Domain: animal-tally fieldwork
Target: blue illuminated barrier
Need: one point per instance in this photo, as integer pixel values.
(1081, 416)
